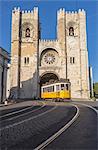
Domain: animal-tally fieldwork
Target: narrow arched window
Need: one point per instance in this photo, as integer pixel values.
(28, 60)
(25, 60)
(27, 34)
(71, 31)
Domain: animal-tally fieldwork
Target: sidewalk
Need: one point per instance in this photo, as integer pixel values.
(12, 102)
(20, 104)
(2, 105)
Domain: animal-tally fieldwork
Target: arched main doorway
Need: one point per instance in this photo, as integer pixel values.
(48, 78)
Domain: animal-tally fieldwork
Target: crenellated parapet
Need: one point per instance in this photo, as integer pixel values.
(45, 43)
(75, 12)
(17, 9)
(48, 41)
(61, 12)
(81, 11)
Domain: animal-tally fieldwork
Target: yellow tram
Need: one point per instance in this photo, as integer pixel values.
(61, 90)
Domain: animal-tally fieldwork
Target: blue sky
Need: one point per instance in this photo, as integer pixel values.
(47, 13)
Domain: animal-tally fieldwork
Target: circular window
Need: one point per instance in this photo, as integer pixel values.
(49, 57)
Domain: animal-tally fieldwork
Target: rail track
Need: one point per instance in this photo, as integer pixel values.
(16, 118)
(59, 132)
(51, 142)
(37, 126)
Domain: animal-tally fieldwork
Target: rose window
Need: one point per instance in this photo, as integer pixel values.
(49, 58)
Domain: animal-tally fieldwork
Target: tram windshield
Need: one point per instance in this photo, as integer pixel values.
(67, 87)
(64, 86)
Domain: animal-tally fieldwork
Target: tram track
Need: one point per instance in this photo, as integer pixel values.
(12, 116)
(16, 112)
(25, 117)
(59, 132)
(21, 113)
(49, 127)
(61, 139)
(43, 126)
(17, 130)
(7, 111)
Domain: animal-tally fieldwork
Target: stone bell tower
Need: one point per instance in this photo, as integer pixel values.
(24, 50)
(71, 34)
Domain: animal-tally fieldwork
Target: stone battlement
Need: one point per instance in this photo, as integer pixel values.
(44, 41)
(17, 9)
(62, 11)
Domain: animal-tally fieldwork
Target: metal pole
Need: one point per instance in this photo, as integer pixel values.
(2, 81)
(19, 56)
(38, 82)
(65, 47)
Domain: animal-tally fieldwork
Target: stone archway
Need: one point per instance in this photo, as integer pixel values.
(48, 78)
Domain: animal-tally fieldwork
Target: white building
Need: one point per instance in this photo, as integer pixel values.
(4, 58)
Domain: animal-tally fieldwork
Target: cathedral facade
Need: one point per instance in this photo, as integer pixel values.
(35, 61)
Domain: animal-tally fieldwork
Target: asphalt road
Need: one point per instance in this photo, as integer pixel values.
(15, 118)
(42, 127)
(82, 135)
(43, 123)
(10, 110)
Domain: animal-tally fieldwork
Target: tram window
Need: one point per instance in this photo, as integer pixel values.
(57, 88)
(47, 89)
(52, 88)
(67, 87)
(44, 89)
(62, 86)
